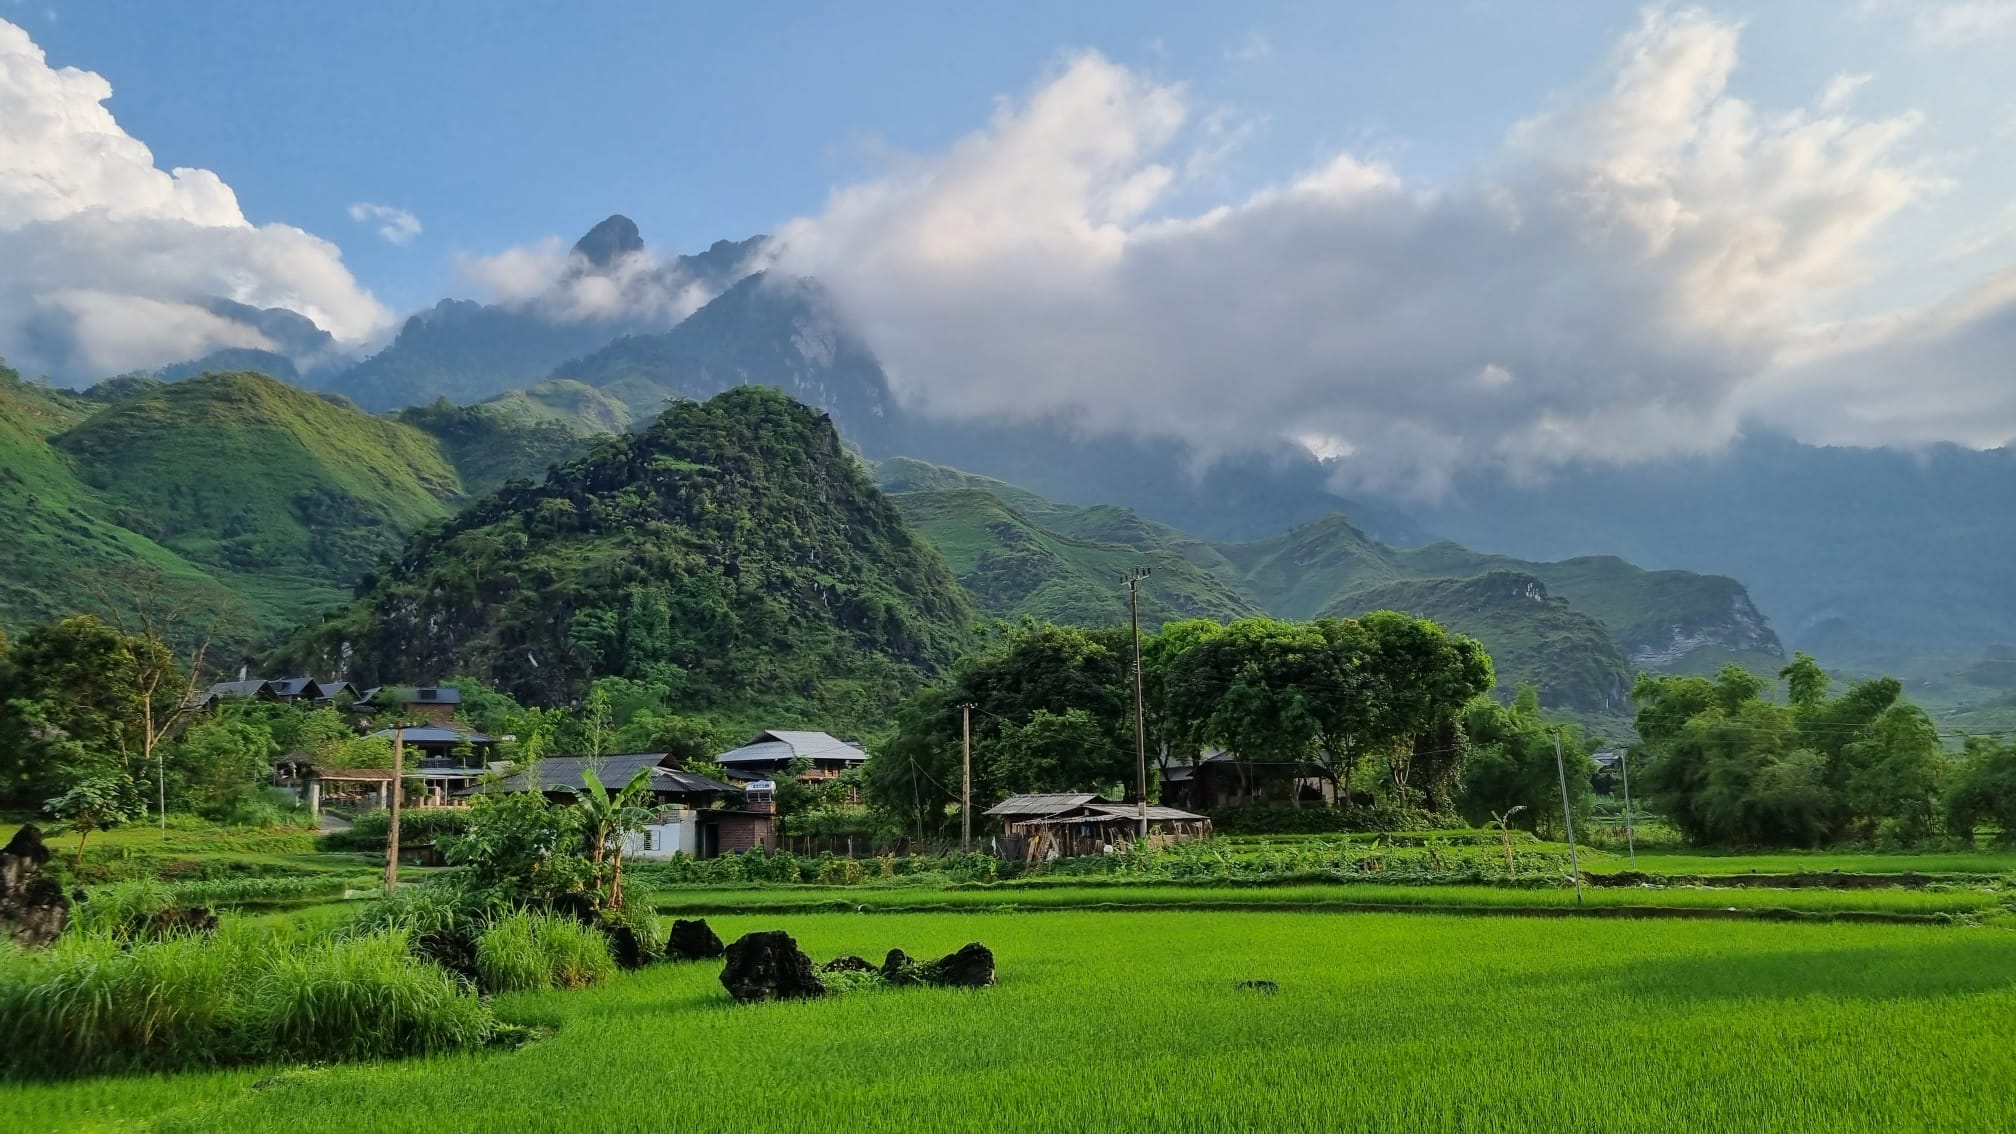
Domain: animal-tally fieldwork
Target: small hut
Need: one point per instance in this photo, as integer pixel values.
(1036, 827)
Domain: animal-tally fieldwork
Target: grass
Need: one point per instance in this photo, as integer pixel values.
(1335, 896)
(1793, 862)
(1133, 1022)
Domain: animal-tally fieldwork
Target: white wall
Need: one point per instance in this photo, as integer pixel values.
(675, 832)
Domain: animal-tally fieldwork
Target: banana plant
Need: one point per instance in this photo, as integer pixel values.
(610, 816)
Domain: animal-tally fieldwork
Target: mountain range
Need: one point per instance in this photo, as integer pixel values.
(1873, 559)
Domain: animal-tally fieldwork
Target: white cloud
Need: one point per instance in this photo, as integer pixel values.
(1251, 49)
(1631, 262)
(395, 225)
(1953, 25)
(1841, 91)
(109, 263)
(546, 275)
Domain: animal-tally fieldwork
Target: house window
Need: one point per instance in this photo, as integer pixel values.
(650, 839)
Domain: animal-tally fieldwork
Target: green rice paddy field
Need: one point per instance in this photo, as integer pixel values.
(1132, 1021)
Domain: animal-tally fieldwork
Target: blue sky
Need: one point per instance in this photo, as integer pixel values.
(1602, 230)
(499, 123)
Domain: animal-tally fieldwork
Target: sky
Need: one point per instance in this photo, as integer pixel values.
(1415, 235)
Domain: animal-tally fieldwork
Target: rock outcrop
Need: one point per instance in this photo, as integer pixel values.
(693, 941)
(33, 908)
(770, 966)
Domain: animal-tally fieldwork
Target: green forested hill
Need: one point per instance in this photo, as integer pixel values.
(1576, 628)
(257, 502)
(247, 473)
(58, 539)
(576, 405)
(731, 551)
(1532, 636)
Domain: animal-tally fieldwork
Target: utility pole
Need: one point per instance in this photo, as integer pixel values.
(966, 778)
(1134, 578)
(1567, 815)
(1624, 763)
(398, 786)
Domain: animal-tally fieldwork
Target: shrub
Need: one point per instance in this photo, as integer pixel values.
(362, 998)
(527, 951)
(92, 1004)
(371, 830)
(122, 910)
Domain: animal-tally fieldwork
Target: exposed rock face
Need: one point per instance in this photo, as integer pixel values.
(769, 966)
(847, 963)
(692, 941)
(194, 919)
(33, 909)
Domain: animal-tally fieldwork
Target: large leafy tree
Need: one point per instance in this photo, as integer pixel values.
(1729, 766)
(1511, 769)
(1245, 691)
(1982, 790)
(1051, 711)
(73, 706)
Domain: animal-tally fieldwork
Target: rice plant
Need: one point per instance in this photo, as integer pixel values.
(540, 950)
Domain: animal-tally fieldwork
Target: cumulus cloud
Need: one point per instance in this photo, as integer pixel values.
(1841, 91)
(394, 225)
(1951, 25)
(109, 263)
(1631, 261)
(635, 288)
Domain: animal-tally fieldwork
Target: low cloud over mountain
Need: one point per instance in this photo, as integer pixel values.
(1644, 266)
(108, 262)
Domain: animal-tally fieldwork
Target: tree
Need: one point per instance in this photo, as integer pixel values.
(1244, 691)
(1897, 767)
(220, 760)
(72, 708)
(1982, 789)
(606, 818)
(1511, 768)
(95, 804)
(1423, 676)
(520, 848)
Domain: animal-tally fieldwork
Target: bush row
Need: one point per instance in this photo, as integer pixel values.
(371, 830)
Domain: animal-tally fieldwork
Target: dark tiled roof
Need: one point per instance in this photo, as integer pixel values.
(564, 773)
(414, 695)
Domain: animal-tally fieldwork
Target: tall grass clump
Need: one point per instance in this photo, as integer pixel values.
(122, 910)
(92, 1003)
(363, 998)
(527, 951)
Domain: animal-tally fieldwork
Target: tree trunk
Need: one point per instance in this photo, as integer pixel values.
(83, 833)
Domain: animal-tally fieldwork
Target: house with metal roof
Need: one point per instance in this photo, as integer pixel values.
(694, 815)
(435, 703)
(445, 760)
(1064, 824)
(772, 751)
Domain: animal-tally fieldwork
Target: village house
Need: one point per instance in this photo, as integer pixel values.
(1213, 779)
(771, 752)
(692, 814)
(1064, 825)
(410, 704)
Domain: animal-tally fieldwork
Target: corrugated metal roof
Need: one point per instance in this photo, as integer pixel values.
(564, 773)
(417, 735)
(241, 688)
(1042, 804)
(1133, 811)
(783, 745)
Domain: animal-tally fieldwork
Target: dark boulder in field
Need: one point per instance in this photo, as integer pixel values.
(33, 910)
(693, 941)
(971, 967)
(769, 966)
(847, 963)
(625, 947)
(898, 968)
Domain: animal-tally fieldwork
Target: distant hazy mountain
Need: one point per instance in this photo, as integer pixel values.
(764, 331)
(467, 351)
(1869, 551)
(1578, 629)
